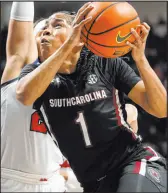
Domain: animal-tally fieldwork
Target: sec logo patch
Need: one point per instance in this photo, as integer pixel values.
(92, 79)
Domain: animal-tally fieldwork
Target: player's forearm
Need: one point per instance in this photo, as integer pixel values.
(155, 91)
(20, 28)
(19, 33)
(34, 84)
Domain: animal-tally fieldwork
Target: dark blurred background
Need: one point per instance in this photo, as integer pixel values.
(153, 130)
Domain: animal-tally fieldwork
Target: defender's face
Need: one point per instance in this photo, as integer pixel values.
(52, 36)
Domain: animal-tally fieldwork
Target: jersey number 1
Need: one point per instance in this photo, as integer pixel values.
(81, 120)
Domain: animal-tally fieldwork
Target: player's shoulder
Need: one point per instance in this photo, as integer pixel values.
(108, 65)
(100, 60)
(108, 62)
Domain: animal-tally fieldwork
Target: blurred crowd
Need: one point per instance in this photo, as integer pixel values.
(153, 130)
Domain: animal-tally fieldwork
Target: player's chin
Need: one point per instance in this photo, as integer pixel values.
(45, 48)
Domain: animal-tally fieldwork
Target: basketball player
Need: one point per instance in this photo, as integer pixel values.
(82, 95)
(30, 160)
(12, 179)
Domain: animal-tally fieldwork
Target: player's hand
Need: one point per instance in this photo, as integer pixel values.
(78, 23)
(138, 47)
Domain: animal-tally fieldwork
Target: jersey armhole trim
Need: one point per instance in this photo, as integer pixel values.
(36, 62)
(8, 82)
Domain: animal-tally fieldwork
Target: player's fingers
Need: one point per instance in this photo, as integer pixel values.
(83, 7)
(78, 47)
(82, 15)
(136, 35)
(146, 25)
(83, 22)
(144, 33)
(81, 10)
(130, 44)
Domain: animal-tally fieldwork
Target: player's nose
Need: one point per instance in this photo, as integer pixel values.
(47, 32)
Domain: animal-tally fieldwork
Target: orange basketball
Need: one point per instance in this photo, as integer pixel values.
(106, 34)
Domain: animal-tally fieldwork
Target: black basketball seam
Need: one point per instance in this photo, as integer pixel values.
(113, 27)
(96, 50)
(102, 44)
(99, 14)
(100, 52)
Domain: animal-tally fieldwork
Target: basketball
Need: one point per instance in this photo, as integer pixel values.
(106, 34)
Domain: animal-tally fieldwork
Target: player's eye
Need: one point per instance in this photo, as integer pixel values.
(45, 27)
(58, 26)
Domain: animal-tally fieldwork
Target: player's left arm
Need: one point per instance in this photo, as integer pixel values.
(149, 93)
(132, 116)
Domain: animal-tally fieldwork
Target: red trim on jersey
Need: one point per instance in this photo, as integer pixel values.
(65, 164)
(118, 115)
(140, 167)
(137, 167)
(149, 149)
(133, 135)
(116, 109)
(43, 179)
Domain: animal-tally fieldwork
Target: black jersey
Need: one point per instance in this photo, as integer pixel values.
(90, 124)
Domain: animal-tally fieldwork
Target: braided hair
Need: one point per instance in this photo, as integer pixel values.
(84, 68)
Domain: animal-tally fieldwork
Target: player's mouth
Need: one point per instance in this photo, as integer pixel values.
(45, 41)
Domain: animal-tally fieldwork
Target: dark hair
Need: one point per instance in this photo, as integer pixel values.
(85, 67)
(68, 16)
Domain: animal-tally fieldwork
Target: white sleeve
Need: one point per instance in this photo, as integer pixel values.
(22, 11)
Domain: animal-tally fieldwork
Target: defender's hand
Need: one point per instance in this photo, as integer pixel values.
(138, 47)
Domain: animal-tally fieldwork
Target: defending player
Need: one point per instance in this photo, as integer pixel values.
(83, 99)
(30, 160)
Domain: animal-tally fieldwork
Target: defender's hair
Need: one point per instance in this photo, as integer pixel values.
(38, 21)
(39, 25)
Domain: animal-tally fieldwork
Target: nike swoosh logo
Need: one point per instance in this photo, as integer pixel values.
(120, 38)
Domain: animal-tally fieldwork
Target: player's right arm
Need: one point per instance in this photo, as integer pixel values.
(20, 34)
(35, 82)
